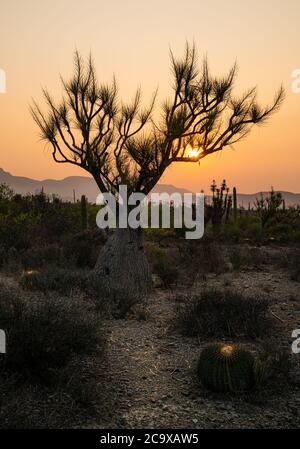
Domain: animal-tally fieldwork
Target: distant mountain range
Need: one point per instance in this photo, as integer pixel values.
(83, 185)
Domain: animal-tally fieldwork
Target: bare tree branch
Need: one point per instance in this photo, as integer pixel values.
(122, 143)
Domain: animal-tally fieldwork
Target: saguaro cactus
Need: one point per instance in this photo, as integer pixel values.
(234, 204)
(84, 214)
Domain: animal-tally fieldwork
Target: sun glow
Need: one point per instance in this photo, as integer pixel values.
(194, 152)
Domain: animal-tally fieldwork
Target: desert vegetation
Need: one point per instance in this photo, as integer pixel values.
(78, 357)
(143, 328)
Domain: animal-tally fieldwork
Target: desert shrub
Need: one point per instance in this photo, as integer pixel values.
(268, 207)
(36, 407)
(246, 221)
(164, 268)
(43, 333)
(254, 232)
(282, 232)
(17, 230)
(163, 264)
(109, 303)
(56, 279)
(212, 258)
(87, 282)
(296, 235)
(237, 258)
(82, 249)
(247, 257)
(223, 313)
(39, 257)
(279, 366)
(81, 379)
(3, 256)
(224, 367)
(278, 363)
(231, 232)
(201, 257)
(293, 266)
(13, 261)
(120, 305)
(246, 227)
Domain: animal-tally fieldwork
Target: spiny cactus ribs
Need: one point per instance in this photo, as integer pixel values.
(29, 279)
(224, 367)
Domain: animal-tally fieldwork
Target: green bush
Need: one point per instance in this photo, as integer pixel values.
(163, 267)
(38, 257)
(282, 232)
(43, 333)
(245, 222)
(56, 279)
(223, 313)
(87, 282)
(254, 232)
(246, 227)
(109, 303)
(247, 257)
(82, 249)
(224, 367)
(208, 256)
(232, 232)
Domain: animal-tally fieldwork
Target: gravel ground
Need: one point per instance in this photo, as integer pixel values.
(149, 376)
(152, 366)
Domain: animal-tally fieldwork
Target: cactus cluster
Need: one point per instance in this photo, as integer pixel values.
(224, 367)
(221, 204)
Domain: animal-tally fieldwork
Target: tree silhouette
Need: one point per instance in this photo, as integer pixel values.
(120, 143)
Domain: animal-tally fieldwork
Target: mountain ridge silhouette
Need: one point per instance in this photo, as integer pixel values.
(84, 185)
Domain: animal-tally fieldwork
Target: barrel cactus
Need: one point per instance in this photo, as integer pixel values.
(224, 367)
(30, 279)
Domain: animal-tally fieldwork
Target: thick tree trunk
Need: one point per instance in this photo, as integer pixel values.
(122, 265)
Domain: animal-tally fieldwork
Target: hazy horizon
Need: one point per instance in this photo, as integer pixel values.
(132, 40)
(207, 191)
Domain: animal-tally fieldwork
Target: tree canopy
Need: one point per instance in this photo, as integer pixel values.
(119, 143)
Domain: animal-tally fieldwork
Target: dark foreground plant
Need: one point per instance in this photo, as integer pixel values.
(223, 313)
(45, 332)
(224, 367)
(86, 281)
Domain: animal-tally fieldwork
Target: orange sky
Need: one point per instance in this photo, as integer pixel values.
(131, 39)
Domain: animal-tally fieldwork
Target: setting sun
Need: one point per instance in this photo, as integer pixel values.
(149, 220)
(194, 152)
